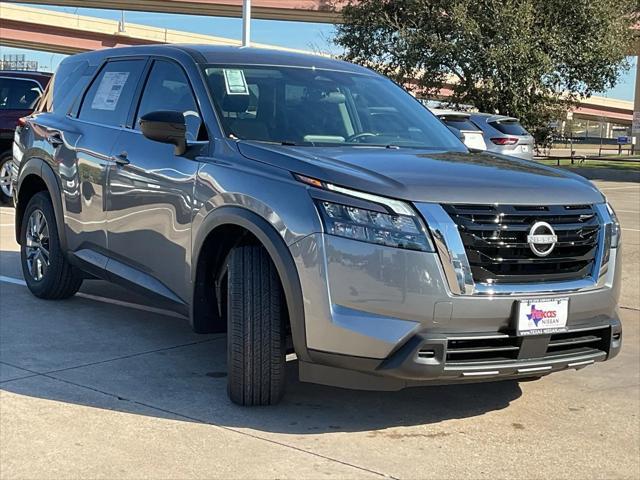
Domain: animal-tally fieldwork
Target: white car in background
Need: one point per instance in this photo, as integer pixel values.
(505, 135)
(461, 124)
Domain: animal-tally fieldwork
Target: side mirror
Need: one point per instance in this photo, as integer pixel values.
(167, 127)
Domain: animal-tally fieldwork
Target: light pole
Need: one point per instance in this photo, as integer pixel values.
(122, 26)
(635, 122)
(246, 23)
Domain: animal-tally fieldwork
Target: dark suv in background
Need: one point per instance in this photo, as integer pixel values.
(19, 94)
(310, 206)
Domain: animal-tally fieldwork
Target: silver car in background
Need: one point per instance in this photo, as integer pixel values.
(504, 135)
(460, 123)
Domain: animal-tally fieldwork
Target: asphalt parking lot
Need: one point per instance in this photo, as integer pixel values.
(105, 386)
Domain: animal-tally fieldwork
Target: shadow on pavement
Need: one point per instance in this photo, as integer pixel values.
(112, 357)
(306, 408)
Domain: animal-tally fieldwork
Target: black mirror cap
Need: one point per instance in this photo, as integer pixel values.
(166, 126)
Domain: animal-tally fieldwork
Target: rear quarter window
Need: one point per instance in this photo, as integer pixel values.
(509, 127)
(64, 88)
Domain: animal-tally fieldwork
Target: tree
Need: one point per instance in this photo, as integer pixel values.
(526, 58)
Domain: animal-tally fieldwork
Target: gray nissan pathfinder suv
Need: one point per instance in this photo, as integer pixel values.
(306, 205)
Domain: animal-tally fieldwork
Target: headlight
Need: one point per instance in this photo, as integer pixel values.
(399, 227)
(615, 227)
(401, 231)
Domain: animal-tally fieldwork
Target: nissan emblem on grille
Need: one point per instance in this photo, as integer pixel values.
(542, 239)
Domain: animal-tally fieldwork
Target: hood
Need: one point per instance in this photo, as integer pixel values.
(431, 176)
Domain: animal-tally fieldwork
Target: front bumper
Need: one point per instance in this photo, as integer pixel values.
(438, 359)
(384, 318)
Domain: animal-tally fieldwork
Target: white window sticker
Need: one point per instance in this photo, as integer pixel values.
(109, 91)
(235, 82)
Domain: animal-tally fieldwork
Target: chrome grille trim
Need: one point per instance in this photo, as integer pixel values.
(457, 270)
(496, 240)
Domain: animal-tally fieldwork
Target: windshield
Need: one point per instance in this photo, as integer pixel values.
(306, 106)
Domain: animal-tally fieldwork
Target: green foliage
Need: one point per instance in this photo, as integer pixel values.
(525, 58)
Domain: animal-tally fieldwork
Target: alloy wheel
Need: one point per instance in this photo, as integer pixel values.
(37, 245)
(5, 179)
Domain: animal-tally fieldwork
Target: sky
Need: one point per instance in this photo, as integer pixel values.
(300, 35)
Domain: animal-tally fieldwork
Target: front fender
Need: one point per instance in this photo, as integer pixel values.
(280, 255)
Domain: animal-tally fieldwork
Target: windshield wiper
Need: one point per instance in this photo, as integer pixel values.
(286, 143)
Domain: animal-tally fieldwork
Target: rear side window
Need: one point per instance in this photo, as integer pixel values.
(459, 123)
(18, 94)
(168, 89)
(65, 87)
(108, 100)
(509, 127)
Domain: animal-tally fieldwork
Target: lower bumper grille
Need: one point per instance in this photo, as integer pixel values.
(495, 238)
(511, 348)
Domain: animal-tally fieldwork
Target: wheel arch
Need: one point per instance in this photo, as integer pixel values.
(231, 219)
(35, 176)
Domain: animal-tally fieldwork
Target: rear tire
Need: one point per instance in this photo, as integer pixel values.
(44, 266)
(5, 178)
(255, 328)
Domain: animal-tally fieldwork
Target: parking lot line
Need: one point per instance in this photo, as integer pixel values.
(112, 301)
(14, 281)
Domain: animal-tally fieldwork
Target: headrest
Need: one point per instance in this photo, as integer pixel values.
(334, 97)
(235, 103)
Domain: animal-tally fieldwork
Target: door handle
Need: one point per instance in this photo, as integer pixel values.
(55, 140)
(121, 159)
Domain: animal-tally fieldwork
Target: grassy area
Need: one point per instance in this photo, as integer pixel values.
(617, 164)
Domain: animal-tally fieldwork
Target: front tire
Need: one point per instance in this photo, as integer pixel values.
(46, 270)
(255, 328)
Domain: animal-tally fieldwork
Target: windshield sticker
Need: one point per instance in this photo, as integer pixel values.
(109, 91)
(235, 82)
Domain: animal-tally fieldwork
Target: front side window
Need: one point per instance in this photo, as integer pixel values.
(109, 98)
(312, 107)
(168, 88)
(18, 94)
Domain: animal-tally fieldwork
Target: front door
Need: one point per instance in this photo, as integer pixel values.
(150, 199)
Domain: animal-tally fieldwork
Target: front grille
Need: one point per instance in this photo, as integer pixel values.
(572, 343)
(512, 348)
(483, 350)
(495, 240)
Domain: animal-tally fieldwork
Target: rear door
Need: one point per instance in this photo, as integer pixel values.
(83, 152)
(150, 199)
